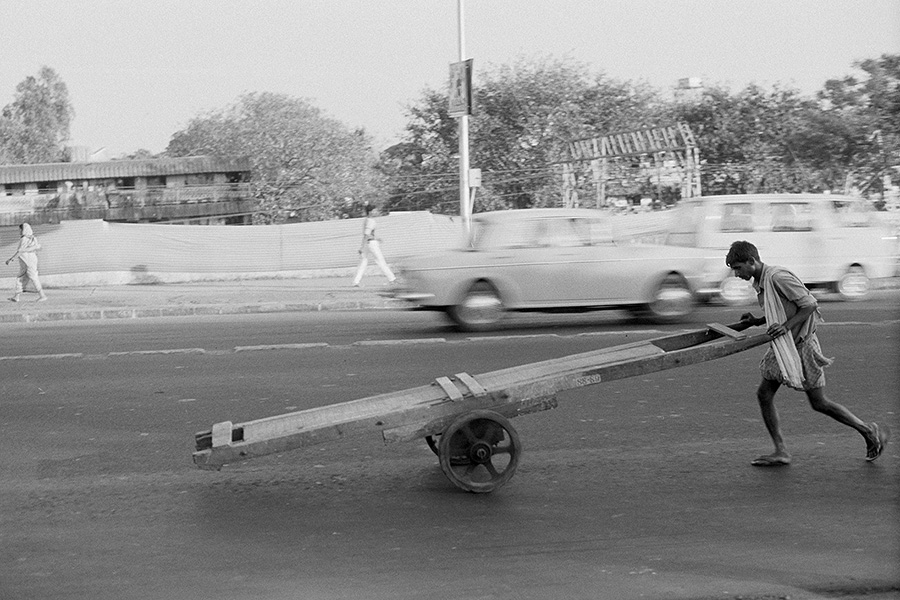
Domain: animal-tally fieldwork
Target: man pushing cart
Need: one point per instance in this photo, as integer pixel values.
(465, 418)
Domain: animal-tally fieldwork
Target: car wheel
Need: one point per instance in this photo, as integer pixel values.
(480, 309)
(854, 284)
(672, 300)
(734, 291)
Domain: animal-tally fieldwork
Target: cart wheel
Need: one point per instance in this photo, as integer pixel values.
(480, 451)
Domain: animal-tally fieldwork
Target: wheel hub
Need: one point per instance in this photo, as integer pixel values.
(480, 453)
(483, 308)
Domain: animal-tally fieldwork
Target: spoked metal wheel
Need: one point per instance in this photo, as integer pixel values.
(672, 300)
(434, 442)
(480, 451)
(854, 284)
(480, 309)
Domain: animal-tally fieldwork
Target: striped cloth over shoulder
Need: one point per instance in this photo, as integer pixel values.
(784, 347)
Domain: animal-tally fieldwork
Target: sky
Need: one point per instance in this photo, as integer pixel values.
(138, 71)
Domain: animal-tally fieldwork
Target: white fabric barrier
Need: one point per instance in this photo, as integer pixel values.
(94, 252)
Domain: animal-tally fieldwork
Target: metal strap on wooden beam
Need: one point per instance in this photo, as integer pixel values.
(449, 388)
(477, 390)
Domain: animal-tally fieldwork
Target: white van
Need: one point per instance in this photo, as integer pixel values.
(831, 242)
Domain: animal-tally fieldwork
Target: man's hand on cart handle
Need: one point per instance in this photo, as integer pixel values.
(776, 330)
(748, 321)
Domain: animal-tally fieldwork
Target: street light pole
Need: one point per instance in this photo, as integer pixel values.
(465, 209)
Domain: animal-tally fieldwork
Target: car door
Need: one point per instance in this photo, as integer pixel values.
(551, 264)
(617, 272)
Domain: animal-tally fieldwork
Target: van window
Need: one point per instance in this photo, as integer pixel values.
(791, 216)
(737, 217)
(852, 214)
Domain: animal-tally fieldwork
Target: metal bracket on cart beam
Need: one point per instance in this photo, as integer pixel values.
(453, 391)
(472, 384)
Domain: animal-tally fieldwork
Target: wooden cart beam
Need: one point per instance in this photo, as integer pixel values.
(428, 410)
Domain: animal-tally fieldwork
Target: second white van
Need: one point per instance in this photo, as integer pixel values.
(833, 243)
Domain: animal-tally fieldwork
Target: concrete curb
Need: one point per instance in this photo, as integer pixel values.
(140, 302)
(199, 310)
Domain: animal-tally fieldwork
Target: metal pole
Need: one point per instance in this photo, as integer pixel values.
(465, 209)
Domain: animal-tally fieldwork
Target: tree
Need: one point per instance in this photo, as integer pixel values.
(870, 103)
(421, 169)
(524, 114)
(35, 126)
(760, 140)
(776, 140)
(754, 140)
(876, 94)
(303, 164)
(529, 111)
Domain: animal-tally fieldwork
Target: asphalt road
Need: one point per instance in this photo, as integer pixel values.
(633, 489)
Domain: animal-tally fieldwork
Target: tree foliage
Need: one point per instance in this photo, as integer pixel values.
(748, 141)
(752, 140)
(776, 140)
(304, 165)
(35, 126)
(523, 115)
(869, 104)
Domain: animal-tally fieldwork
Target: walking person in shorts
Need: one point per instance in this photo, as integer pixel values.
(795, 360)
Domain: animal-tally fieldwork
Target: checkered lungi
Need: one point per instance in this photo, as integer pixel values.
(811, 357)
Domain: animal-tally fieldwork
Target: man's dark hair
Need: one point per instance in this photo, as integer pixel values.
(741, 252)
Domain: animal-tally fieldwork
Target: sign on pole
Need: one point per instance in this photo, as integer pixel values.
(461, 88)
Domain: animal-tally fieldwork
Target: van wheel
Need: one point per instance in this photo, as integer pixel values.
(480, 309)
(734, 291)
(854, 284)
(673, 300)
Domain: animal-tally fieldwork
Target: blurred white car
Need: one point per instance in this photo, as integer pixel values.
(551, 260)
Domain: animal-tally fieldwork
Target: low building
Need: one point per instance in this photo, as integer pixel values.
(194, 189)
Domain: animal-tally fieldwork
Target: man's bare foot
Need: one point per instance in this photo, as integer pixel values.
(876, 441)
(772, 460)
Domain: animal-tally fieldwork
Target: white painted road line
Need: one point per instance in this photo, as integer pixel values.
(396, 342)
(43, 356)
(281, 347)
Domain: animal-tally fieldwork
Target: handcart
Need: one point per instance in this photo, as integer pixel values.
(465, 418)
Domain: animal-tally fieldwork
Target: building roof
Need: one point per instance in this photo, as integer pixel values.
(115, 169)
